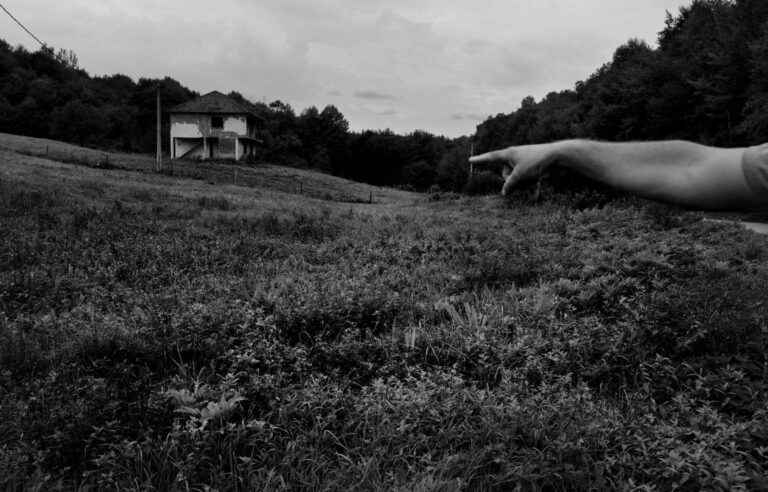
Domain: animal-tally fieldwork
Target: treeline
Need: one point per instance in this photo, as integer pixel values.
(43, 94)
(46, 94)
(320, 139)
(707, 81)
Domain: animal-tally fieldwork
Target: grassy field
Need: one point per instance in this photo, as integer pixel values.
(188, 333)
(275, 178)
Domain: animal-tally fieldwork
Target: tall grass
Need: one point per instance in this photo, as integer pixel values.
(154, 341)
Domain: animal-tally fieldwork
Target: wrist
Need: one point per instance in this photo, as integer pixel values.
(565, 150)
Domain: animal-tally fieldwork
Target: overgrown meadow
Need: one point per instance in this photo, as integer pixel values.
(161, 333)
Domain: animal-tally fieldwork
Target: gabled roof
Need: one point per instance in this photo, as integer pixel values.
(212, 103)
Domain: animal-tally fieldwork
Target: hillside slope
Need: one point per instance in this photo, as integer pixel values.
(167, 333)
(265, 176)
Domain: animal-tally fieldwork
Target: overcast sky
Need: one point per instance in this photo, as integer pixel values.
(437, 65)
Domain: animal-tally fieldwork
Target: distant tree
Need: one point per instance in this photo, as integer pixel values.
(280, 107)
(710, 49)
(453, 169)
(310, 131)
(333, 122)
(78, 122)
(614, 101)
(705, 82)
(144, 99)
(557, 118)
(120, 123)
(490, 134)
(44, 91)
(68, 58)
(30, 120)
(15, 84)
(7, 115)
(755, 123)
(334, 132)
(375, 157)
(420, 175)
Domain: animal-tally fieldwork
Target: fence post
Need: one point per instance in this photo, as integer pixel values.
(370, 197)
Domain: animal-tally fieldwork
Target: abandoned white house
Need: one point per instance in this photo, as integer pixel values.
(213, 126)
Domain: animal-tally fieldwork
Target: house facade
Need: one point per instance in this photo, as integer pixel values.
(213, 126)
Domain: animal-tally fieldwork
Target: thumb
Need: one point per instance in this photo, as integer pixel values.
(512, 180)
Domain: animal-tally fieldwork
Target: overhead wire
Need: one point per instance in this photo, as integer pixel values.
(17, 21)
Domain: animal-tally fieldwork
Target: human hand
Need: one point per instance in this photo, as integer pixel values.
(520, 162)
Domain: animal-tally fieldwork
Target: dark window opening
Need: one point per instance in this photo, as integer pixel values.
(217, 122)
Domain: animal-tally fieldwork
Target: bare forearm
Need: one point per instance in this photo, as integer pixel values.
(674, 171)
(678, 172)
(599, 158)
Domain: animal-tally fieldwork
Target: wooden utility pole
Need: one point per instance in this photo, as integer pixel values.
(471, 154)
(158, 158)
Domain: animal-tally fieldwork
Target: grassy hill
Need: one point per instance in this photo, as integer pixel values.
(177, 332)
(276, 178)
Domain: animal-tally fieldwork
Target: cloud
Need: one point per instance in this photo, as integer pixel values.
(380, 96)
(440, 65)
(386, 112)
(469, 116)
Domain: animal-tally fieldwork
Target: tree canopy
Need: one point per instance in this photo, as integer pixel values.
(707, 81)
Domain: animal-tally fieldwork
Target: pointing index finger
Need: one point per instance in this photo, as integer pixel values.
(494, 156)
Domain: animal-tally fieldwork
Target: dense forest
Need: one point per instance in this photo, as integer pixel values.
(706, 81)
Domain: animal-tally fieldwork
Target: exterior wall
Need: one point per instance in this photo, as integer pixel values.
(236, 125)
(199, 125)
(185, 145)
(189, 126)
(189, 130)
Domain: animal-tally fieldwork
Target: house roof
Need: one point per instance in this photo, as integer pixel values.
(213, 103)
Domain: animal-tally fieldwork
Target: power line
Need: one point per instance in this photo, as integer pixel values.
(22, 25)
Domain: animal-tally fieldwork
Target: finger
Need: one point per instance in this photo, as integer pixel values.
(512, 180)
(494, 156)
(507, 170)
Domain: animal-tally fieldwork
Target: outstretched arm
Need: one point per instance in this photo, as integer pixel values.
(677, 172)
